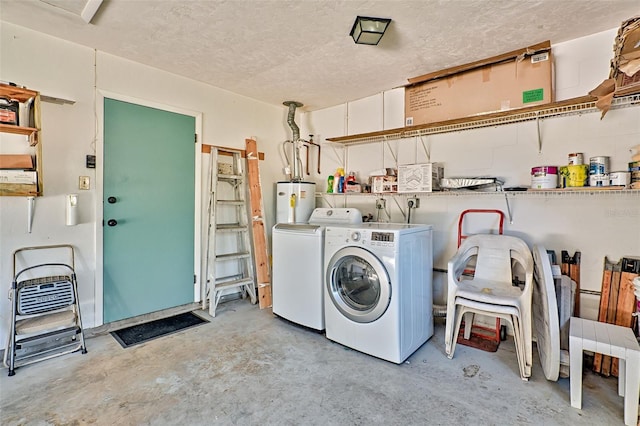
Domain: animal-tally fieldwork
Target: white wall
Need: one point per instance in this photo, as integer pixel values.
(598, 225)
(58, 68)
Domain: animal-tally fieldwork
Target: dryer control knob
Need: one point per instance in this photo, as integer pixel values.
(355, 236)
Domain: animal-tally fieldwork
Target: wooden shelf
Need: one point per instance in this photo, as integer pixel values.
(18, 93)
(583, 104)
(18, 189)
(33, 135)
(30, 132)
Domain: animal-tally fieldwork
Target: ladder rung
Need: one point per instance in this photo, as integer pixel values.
(233, 256)
(44, 337)
(231, 202)
(227, 150)
(230, 177)
(231, 227)
(235, 283)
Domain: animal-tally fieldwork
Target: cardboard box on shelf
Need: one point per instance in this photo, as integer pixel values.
(420, 177)
(355, 188)
(18, 176)
(16, 161)
(382, 184)
(518, 79)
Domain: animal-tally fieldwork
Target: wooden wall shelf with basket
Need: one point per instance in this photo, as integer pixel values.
(33, 139)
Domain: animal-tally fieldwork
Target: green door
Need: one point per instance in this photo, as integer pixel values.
(148, 207)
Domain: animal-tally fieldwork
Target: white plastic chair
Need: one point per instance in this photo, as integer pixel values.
(491, 289)
(468, 308)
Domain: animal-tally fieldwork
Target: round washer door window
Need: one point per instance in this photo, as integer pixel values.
(358, 284)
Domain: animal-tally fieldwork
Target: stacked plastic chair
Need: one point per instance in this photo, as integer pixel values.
(491, 291)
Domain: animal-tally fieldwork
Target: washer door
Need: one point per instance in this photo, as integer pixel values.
(358, 284)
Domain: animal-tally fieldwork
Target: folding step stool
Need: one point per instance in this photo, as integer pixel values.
(45, 311)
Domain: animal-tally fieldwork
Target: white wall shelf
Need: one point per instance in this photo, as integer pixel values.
(580, 105)
(552, 193)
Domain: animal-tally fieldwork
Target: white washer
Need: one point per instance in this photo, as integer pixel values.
(378, 288)
(298, 266)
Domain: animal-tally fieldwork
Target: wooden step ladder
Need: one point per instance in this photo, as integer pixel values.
(229, 255)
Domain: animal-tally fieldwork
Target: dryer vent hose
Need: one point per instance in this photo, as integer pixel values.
(440, 311)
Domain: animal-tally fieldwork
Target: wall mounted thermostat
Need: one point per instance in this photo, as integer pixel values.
(91, 161)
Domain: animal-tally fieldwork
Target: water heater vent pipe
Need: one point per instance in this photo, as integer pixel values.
(297, 174)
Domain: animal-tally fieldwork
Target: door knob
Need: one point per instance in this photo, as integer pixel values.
(112, 222)
(111, 200)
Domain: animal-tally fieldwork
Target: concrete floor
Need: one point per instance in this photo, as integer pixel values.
(248, 367)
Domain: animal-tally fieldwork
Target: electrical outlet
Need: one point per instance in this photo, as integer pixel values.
(84, 182)
(381, 203)
(413, 203)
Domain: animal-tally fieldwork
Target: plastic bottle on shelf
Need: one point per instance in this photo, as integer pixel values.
(337, 187)
(350, 178)
(330, 184)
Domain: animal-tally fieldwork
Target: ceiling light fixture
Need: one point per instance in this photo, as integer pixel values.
(369, 30)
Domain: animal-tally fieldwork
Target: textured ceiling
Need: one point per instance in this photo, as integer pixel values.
(276, 50)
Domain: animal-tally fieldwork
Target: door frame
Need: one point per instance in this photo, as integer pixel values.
(99, 185)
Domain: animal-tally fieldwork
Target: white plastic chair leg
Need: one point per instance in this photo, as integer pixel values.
(468, 324)
(450, 322)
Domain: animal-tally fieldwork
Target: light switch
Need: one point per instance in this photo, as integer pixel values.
(84, 183)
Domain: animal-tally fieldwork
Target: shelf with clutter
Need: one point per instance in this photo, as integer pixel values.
(21, 168)
(429, 110)
(427, 179)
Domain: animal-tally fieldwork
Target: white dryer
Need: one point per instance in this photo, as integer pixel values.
(378, 288)
(298, 266)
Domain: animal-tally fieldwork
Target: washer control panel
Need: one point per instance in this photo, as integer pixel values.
(371, 238)
(382, 236)
(382, 239)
